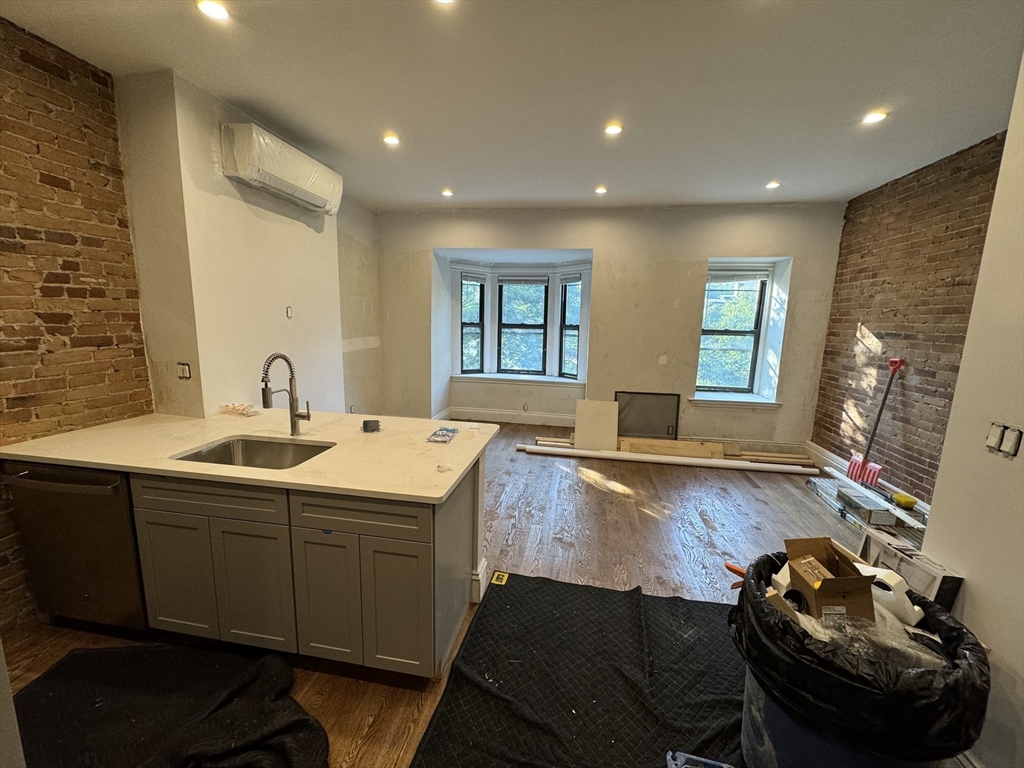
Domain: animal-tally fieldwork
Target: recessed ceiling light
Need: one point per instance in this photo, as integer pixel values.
(391, 139)
(613, 129)
(772, 185)
(875, 117)
(446, 192)
(445, 2)
(213, 10)
(601, 190)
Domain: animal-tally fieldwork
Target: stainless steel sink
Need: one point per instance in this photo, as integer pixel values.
(262, 452)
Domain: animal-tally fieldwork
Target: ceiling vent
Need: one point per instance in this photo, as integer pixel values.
(263, 161)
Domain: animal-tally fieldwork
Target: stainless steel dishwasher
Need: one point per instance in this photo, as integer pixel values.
(79, 540)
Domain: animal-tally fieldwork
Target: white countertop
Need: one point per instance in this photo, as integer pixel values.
(395, 463)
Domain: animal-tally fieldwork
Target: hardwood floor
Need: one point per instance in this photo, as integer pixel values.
(606, 523)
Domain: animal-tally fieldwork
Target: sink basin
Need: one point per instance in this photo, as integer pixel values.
(262, 452)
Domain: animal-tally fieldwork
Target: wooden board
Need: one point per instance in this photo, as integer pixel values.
(687, 448)
(777, 458)
(597, 425)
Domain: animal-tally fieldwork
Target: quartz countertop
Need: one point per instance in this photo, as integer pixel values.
(395, 463)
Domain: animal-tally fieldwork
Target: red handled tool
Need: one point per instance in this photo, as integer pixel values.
(859, 468)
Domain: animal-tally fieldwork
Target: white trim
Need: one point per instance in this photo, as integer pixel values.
(444, 415)
(479, 581)
(518, 380)
(732, 400)
(492, 275)
(825, 458)
(968, 760)
(513, 417)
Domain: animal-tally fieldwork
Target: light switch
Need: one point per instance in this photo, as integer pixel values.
(995, 436)
(1011, 442)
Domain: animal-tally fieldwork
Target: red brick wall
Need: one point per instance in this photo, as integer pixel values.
(71, 349)
(908, 262)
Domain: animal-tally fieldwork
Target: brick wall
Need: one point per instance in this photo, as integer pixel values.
(71, 350)
(908, 262)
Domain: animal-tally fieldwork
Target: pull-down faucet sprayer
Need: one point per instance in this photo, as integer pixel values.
(294, 414)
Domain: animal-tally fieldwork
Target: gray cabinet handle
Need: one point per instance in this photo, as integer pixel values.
(47, 485)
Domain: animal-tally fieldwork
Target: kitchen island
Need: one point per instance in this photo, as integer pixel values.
(368, 552)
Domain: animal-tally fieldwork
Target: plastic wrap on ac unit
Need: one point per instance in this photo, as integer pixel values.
(262, 160)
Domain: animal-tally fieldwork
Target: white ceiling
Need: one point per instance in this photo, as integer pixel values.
(505, 101)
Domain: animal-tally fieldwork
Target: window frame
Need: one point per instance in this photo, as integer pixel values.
(482, 283)
(492, 274)
(564, 326)
(756, 332)
(502, 325)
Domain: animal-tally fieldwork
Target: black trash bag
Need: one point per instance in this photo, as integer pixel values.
(911, 714)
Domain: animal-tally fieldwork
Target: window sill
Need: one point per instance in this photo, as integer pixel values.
(514, 378)
(732, 400)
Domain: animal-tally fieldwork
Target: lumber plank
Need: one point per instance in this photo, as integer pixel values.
(692, 449)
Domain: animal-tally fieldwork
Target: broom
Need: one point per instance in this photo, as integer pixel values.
(860, 469)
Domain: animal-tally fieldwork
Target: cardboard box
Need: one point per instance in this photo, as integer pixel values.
(824, 573)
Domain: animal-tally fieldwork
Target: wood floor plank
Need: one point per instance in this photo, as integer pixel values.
(612, 524)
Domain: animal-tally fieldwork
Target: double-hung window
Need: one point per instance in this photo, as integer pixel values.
(522, 325)
(731, 332)
(472, 315)
(569, 326)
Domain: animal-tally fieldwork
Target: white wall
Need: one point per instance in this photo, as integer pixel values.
(148, 135)
(251, 255)
(219, 261)
(649, 272)
(358, 268)
(498, 399)
(977, 514)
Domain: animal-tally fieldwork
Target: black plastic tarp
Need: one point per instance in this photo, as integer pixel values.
(912, 714)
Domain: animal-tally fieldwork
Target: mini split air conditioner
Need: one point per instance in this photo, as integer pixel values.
(261, 160)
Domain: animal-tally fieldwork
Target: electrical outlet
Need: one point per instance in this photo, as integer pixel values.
(1011, 442)
(184, 371)
(995, 436)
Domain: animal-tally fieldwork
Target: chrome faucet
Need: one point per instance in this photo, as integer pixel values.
(294, 414)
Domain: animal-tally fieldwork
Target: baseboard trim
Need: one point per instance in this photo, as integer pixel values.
(444, 415)
(478, 583)
(825, 458)
(513, 417)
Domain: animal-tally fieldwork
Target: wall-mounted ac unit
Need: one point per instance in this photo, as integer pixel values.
(261, 160)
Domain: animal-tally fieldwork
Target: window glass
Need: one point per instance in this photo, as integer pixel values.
(471, 349)
(725, 361)
(572, 303)
(471, 302)
(522, 349)
(523, 303)
(570, 352)
(731, 306)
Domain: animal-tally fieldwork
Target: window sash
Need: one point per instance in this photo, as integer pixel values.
(564, 326)
(472, 280)
(542, 326)
(754, 333)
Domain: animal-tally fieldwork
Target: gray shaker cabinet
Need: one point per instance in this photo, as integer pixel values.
(252, 565)
(177, 572)
(398, 605)
(328, 610)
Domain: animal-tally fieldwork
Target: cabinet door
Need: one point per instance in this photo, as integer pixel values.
(252, 564)
(398, 605)
(177, 572)
(328, 610)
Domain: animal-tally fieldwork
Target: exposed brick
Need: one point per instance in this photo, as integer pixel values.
(908, 262)
(71, 345)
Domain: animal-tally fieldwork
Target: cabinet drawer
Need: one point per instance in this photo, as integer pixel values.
(353, 514)
(225, 500)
